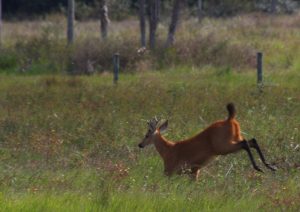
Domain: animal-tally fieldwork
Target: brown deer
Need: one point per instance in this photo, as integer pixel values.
(220, 138)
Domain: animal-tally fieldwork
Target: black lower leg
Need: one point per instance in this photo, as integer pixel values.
(253, 143)
(246, 147)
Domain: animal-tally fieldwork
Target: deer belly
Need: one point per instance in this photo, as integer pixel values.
(199, 160)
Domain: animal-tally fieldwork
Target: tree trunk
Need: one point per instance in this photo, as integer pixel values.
(142, 22)
(200, 9)
(104, 20)
(174, 22)
(273, 6)
(0, 23)
(154, 6)
(71, 18)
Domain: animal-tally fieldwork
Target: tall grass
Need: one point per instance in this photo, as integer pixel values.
(70, 143)
(231, 43)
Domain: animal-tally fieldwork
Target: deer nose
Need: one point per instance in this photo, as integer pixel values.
(141, 146)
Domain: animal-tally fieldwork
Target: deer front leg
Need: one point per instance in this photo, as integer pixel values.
(169, 168)
(253, 144)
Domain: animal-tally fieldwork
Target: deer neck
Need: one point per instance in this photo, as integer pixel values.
(162, 145)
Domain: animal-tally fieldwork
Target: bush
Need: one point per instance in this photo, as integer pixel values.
(48, 52)
(45, 52)
(8, 59)
(46, 55)
(92, 55)
(206, 50)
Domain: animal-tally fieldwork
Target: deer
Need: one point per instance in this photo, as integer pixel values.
(220, 138)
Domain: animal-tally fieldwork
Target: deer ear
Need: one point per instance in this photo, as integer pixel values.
(163, 127)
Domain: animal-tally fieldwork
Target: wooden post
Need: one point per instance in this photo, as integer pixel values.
(116, 61)
(259, 68)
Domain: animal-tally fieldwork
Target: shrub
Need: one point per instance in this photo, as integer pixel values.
(8, 59)
(42, 54)
(206, 50)
(92, 55)
(46, 55)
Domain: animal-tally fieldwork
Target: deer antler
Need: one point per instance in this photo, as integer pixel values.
(153, 123)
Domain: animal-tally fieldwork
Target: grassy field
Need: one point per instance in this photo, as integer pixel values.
(69, 143)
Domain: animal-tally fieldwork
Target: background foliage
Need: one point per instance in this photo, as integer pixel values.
(122, 8)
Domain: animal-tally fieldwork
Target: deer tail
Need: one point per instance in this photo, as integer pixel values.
(231, 111)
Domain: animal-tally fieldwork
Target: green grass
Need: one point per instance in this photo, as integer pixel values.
(70, 143)
(130, 202)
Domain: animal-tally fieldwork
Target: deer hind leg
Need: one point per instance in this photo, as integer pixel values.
(168, 172)
(235, 146)
(195, 171)
(245, 146)
(253, 144)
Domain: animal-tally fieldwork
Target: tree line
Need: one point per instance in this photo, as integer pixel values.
(153, 14)
(151, 9)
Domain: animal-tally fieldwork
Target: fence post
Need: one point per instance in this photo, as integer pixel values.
(116, 62)
(259, 68)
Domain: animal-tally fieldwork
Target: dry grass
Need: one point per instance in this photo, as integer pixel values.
(229, 44)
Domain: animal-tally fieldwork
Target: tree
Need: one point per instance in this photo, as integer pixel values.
(142, 22)
(104, 20)
(0, 23)
(174, 22)
(71, 18)
(200, 9)
(154, 6)
(273, 6)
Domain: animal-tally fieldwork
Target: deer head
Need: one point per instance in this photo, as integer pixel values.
(153, 130)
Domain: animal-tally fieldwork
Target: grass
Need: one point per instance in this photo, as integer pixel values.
(70, 143)
(142, 202)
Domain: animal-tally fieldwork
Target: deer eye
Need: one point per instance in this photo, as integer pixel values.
(148, 134)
